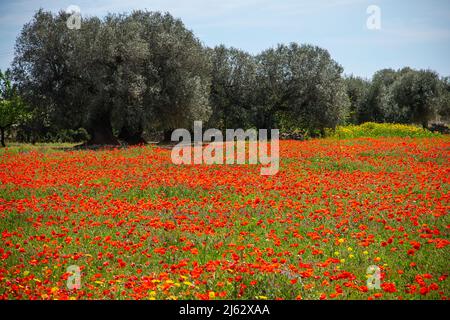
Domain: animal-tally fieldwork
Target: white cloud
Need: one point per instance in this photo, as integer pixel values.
(394, 37)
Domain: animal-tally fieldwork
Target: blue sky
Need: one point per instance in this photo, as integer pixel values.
(413, 33)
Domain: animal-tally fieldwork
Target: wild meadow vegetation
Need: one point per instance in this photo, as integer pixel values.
(371, 129)
(140, 227)
(368, 196)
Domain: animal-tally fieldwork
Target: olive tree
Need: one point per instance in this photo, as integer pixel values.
(357, 89)
(304, 83)
(233, 84)
(120, 74)
(415, 94)
(12, 108)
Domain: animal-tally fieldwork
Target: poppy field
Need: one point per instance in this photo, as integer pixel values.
(140, 227)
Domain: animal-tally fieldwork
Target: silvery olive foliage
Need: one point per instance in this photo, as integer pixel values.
(123, 73)
(126, 74)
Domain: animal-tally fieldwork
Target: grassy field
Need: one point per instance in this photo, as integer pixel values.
(140, 227)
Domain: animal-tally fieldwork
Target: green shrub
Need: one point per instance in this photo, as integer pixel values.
(371, 129)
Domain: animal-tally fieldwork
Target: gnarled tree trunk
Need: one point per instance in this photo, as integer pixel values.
(132, 138)
(101, 132)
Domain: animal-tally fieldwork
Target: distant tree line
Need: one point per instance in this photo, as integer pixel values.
(403, 96)
(125, 75)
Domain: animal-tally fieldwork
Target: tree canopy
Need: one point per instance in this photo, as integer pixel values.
(121, 73)
(302, 83)
(12, 108)
(126, 74)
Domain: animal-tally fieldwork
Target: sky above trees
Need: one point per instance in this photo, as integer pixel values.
(413, 33)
